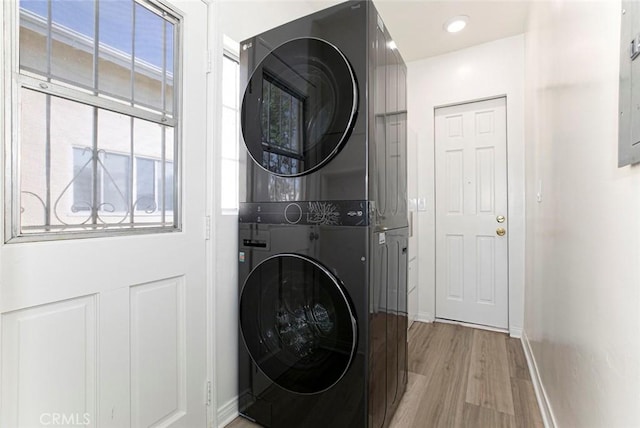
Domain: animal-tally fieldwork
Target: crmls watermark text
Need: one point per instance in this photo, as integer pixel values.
(65, 419)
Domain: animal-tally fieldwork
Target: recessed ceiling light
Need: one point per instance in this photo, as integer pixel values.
(457, 23)
(392, 45)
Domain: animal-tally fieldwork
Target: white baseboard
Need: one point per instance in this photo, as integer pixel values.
(515, 332)
(424, 317)
(543, 400)
(228, 412)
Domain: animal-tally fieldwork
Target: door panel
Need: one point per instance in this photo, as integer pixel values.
(157, 346)
(485, 273)
(46, 347)
(115, 323)
(471, 192)
(485, 180)
(454, 278)
(454, 179)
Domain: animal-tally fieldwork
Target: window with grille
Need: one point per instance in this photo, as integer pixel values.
(97, 147)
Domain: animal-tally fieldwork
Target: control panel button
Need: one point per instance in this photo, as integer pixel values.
(293, 213)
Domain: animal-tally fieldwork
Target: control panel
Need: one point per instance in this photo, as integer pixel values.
(327, 213)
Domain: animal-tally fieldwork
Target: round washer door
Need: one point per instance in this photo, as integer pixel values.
(299, 107)
(297, 323)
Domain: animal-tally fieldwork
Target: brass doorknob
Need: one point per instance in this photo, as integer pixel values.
(500, 231)
(500, 219)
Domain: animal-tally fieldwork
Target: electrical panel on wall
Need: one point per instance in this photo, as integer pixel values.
(629, 99)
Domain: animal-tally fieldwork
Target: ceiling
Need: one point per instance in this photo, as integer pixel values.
(415, 25)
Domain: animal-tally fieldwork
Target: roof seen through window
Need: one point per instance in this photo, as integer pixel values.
(115, 25)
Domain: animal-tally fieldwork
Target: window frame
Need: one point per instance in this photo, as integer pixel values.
(230, 53)
(16, 80)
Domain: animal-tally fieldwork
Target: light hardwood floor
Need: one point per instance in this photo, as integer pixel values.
(462, 377)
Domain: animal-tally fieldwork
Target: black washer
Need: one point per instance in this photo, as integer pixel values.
(297, 323)
(299, 107)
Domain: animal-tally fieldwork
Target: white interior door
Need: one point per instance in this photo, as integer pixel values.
(111, 331)
(471, 213)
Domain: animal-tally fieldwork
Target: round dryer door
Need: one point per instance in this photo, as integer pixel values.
(299, 107)
(297, 323)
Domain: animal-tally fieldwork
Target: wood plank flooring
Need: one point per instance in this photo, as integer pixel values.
(462, 377)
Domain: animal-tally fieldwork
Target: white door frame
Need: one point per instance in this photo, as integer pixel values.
(214, 133)
(515, 205)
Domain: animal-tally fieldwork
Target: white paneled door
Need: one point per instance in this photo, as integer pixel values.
(111, 331)
(471, 213)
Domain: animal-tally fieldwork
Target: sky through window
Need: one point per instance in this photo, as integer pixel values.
(115, 25)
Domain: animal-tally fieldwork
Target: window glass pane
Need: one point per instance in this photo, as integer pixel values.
(147, 137)
(168, 189)
(33, 35)
(114, 173)
(71, 126)
(82, 167)
(33, 155)
(83, 180)
(47, 160)
(170, 169)
(229, 191)
(113, 167)
(115, 47)
(72, 43)
(170, 67)
(230, 137)
(230, 78)
(229, 133)
(148, 51)
(38, 7)
(114, 185)
(145, 186)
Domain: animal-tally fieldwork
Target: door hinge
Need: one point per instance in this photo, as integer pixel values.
(209, 394)
(209, 67)
(207, 228)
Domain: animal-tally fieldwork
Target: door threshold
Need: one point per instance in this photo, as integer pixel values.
(468, 324)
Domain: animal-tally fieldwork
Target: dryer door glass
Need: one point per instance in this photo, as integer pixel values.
(297, 323)
(299, 107)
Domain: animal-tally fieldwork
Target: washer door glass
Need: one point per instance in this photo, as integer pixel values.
(299, 107)
(297, 323)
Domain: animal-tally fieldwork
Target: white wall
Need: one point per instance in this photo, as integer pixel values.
(242, 19)
(582, 316)
(487, 70)
(224, 254)
(226, 314)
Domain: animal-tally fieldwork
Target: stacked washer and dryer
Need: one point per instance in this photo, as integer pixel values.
(323, 229)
